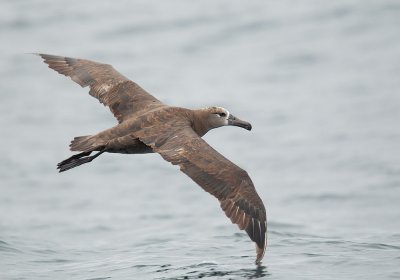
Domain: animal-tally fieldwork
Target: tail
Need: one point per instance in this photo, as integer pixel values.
(84, 143)
(77, 160)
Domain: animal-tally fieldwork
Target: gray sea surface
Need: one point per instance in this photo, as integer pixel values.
(318, 80)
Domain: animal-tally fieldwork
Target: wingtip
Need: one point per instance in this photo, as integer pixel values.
(41, 55)
(33, 53)
(260, 251)
(45, 56)
(260, 254)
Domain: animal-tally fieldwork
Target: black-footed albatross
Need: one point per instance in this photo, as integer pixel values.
(146, 125)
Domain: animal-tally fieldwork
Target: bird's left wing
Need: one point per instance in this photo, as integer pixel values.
(230, 184)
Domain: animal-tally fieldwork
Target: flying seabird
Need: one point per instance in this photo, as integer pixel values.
(146, 125)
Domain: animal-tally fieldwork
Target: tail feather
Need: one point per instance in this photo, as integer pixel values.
(82, 143)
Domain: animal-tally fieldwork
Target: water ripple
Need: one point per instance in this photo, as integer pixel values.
(212, 271)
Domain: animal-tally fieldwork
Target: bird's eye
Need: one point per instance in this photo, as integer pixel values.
(222, 114)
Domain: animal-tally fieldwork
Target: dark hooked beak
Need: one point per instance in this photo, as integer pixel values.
(232, 120)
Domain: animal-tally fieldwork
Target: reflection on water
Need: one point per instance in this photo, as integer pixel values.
(208, 270)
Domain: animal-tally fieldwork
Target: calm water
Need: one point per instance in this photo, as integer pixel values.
(319, 81)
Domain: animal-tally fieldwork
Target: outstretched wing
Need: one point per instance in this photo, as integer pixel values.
(121, 95)
(230, 184)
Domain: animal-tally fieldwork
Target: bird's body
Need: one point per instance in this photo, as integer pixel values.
(146, 125)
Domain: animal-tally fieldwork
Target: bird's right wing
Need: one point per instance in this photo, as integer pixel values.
(230, 184)
(121, 95)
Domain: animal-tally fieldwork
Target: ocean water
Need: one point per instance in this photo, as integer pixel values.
(318, 80)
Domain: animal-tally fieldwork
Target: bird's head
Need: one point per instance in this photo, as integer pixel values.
(218, 116)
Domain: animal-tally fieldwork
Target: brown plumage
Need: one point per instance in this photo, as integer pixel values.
(147, 125)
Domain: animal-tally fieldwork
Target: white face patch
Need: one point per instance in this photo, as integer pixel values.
(219, 120)
(227, 115)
